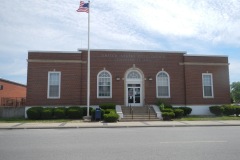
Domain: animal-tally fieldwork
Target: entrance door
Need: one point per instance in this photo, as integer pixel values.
(134, 94)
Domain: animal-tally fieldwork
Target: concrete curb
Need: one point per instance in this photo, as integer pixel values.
(64, 125)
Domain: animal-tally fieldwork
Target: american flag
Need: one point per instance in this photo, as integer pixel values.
(84, 7)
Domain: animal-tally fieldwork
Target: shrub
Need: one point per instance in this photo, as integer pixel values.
(34, 112)
(187, 110)
(85, 110)
(47, 113)
(166, 104)
(168, 116)
(112, 116)
(229, 110)
(178, 113)
(237, 110)
(161, 107)
(167, 110)
(107, 106)
(217, 110)
(75, 112)
(59, 113)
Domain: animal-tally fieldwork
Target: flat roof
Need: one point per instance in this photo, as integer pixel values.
(79, 50)
(39, 51)
(204, 55)
(122, 50)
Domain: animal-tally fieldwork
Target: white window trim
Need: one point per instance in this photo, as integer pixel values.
(102, 97)
(203, 74)
(169, 95)
(48, 96)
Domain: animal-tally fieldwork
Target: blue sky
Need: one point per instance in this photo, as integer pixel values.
(196, 26)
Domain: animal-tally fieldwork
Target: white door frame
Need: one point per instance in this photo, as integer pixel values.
(136, 81)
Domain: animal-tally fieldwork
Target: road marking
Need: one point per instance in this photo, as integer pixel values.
(195, 142)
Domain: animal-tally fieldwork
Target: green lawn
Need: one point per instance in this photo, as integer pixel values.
(207, 118)
(22, 120)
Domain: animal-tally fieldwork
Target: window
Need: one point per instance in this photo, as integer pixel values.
(163, 85)
(133, 75)
(54, 84)
(104, 89)
(1, 87)
(207, 85)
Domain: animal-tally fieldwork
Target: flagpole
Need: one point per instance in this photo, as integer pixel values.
(88, 62)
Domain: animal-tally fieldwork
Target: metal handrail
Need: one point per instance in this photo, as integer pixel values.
(149, 111)
(131, 110)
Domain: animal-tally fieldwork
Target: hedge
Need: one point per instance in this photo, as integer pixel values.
(166, 104)
(85, 110)
(168, 116)
(75, 112)
(187, 110)
(47, 113)
(167, 110)
(107, 106)
(178, 113)
(237, 110)
(217, 110)
(34, 113)
(59, 113)
(229, 110)
(110, 116)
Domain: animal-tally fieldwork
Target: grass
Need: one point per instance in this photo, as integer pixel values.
(23, 120)
(208, 118)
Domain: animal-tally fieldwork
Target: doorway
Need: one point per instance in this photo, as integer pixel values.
(134, 94)
(134, 89)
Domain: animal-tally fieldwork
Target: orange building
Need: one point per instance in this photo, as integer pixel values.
(12, 93)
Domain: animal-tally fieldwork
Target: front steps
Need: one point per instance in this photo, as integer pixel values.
(139, 114)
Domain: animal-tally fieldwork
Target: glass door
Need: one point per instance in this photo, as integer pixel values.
(134, 94)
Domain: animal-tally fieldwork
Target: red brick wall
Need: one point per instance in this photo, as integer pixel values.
(220, 75)
(117, 63)
(38, 79)
(11, 89)
(74, 77)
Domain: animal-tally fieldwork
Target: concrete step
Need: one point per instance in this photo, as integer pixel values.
(139, 118)
(139, 114)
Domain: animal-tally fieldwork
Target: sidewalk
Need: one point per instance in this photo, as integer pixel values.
(81, 124)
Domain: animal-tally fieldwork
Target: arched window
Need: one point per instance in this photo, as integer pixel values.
(163, 85)
(133, 75)
(104, 84)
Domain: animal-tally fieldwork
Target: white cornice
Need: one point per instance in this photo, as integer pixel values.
(204, 55)
(203, 64)
(139, 51)
(39, 51)
(54, 61)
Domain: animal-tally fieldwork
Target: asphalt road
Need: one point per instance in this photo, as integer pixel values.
(162, 143)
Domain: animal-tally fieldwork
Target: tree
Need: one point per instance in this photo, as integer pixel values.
(235, 91)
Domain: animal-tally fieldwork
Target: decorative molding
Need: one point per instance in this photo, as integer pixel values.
(55, 61)
(203, 64)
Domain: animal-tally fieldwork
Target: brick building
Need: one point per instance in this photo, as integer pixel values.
(12, 93)
(123, 77)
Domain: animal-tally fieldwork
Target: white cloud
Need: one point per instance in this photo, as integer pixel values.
(195, 26)
(234, 70)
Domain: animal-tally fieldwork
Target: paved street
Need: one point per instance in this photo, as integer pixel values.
(151, 143)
